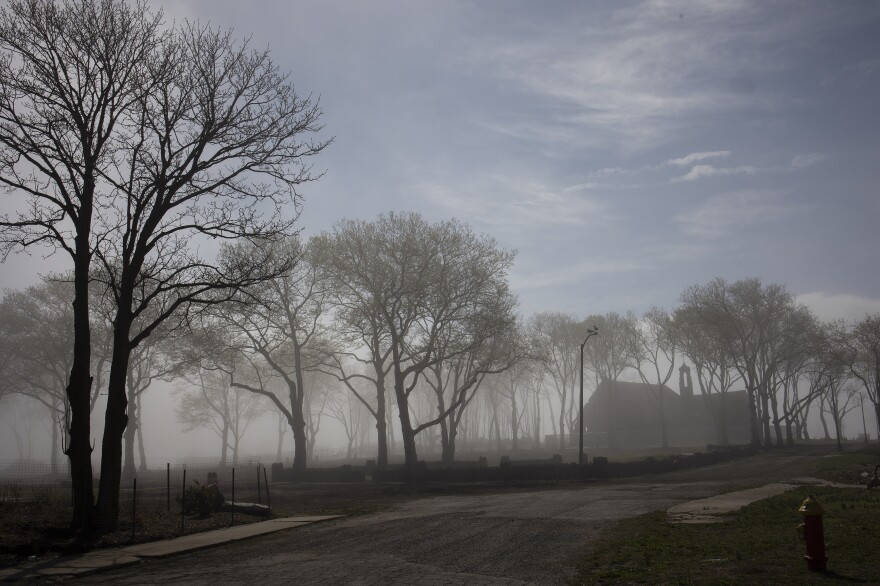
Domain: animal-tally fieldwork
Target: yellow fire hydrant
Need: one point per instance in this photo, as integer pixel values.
(813, 534)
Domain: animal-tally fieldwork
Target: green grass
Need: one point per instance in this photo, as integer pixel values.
(847, 467)
(756, 545)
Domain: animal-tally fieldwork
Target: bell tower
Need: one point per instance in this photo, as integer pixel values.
(685, 384)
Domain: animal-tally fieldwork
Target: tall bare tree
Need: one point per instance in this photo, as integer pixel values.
(213, 404)
(424, 280)
(611, 353)
(654, 358)
(762, 329)
(859, 349)
(69, 73)
(280, 334)
(558, 335)
(219, 153)
(714, 366)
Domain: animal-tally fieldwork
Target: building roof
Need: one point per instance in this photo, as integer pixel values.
(636, 406)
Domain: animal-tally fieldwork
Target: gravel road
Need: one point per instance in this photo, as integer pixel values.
(530, 536)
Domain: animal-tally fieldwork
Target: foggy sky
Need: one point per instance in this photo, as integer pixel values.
(625, 149)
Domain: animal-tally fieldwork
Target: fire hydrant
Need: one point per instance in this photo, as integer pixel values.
(813, 534)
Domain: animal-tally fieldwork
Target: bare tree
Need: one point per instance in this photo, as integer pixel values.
(69, 72)
(761, 329)
(714, 366)
(424, 280)
(280, 335)
(454, 382)
(37, 328)
(345, 408)
(611, 352)
(654, 357)
(859, 349)
(558, 336)
(218, 153)
(216, 405)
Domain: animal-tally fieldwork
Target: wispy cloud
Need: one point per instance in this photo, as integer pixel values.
(831, 306)
(573, 274)
(804, 161)
(632, 79)
(722, 214)
(695, 157)
(700, 171)
(503, 199)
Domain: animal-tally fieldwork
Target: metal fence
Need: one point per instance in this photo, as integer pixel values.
(157, 486)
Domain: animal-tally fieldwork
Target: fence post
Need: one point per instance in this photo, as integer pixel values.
(232, 508)
(183, 502)
(259, 496)
(168, 484)
(266, 482)
(134, 500)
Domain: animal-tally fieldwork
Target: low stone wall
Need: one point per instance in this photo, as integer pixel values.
(342, 474)
(512, 470)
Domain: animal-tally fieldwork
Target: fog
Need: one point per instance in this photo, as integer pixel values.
(404, 221)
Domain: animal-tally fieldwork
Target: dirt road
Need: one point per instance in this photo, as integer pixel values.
(489, 537)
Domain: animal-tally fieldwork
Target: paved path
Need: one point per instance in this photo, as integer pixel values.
(524, 537)
(103, 559)
(512, 538)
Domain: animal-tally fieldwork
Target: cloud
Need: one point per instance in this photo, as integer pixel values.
(694, 157)
(804, 161)
(699, 171)
(506, 199)
(574, 274)
(722, 214)
(828, 307)
(628, 76)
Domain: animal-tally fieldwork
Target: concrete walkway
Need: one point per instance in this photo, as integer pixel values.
(711, 509)
(103, 559)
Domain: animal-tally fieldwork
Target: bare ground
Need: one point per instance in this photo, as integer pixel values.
(451, 534)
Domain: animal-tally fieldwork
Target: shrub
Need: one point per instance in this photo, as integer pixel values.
(202, 500)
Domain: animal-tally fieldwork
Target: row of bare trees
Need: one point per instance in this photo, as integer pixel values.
(239, 360)
(132, 146)
(126, 144)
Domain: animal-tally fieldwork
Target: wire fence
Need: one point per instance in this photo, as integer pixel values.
(157, 486)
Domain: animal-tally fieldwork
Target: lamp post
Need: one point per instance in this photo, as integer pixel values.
(590, 333)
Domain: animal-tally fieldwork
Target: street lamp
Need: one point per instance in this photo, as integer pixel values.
(590, 333)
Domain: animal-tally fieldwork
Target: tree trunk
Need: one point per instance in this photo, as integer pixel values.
(140, 437)
(115, 422)
(381, 426)
(129, 435)
(754, 429)
(280, 437)
(664, 432)
(79, 387)
(765, 418)
(55, 438)
(877, 415)
(562, 445)
(410, 456)
(300, 445)
(776, 425)
(824, 423)
(837, 427)
(514, 419)
(224, 443)
(536, 444)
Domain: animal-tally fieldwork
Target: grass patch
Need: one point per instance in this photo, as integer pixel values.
(855, 467)
(757, 545)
